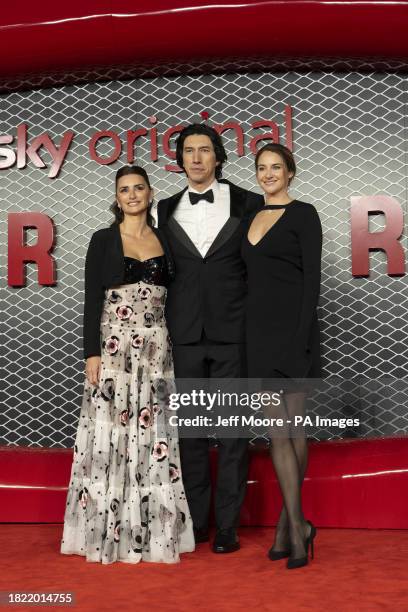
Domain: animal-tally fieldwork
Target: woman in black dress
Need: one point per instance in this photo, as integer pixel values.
(126, 500)
(282, 251)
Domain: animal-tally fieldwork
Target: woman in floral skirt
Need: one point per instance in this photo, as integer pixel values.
(126, 500)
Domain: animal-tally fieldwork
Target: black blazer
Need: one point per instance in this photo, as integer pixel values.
(104, 268)
(208, 293)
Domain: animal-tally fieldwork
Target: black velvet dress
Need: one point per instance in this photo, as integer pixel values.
(283, 268)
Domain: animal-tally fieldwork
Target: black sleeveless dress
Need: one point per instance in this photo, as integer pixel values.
(283, 269)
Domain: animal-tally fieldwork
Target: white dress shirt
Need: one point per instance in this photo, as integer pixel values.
(203, 221)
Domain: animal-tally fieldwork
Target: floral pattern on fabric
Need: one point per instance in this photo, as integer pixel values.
(126, 500)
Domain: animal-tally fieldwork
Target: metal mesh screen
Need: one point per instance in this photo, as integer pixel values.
(349, 139)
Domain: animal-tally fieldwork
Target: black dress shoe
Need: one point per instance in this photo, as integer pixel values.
(226, 541)
(201, 535)
(294, 563)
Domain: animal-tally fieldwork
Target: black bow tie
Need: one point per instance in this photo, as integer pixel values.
(196, 197)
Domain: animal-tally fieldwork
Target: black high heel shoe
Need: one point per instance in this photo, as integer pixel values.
(277, 555)
(294, 563)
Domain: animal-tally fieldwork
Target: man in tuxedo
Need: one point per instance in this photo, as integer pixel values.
(205, 314)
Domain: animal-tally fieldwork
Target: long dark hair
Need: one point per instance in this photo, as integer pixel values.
(283, 152)
(202, 130)
(114, 208)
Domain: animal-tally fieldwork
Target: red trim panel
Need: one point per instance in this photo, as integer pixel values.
(349, 483)
(67, 37)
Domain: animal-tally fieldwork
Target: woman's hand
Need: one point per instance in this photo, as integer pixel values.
(93, 369)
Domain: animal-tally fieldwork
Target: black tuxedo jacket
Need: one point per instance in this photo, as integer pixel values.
(208, 292)
(104, 269)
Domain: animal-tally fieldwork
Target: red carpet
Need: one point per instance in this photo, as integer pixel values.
(354, 570)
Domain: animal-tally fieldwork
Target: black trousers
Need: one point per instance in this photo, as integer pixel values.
(207, 359)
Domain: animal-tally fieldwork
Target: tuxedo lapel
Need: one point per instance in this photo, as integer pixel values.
(170, 206)
(166, 218)
(237, 212)
(237, 201)
(237, 207)
(225, 233)
(182, 236)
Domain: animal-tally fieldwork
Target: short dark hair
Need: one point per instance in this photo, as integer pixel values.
(283, 152)
(114, 208)
(213, 135)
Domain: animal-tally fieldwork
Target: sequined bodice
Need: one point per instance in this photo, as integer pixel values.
(152, 271)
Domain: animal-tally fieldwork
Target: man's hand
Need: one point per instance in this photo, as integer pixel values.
(93, 369)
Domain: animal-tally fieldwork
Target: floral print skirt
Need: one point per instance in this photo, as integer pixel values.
(126, 500)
